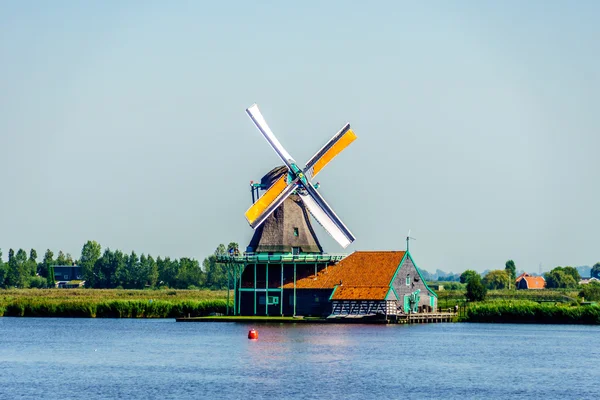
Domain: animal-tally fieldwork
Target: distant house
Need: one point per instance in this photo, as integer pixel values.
(585, 281)
(68, 276)
(526, 281)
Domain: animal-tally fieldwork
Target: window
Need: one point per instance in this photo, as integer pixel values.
(273, 300)
(407, 280)
(295, 251)
(295, 231)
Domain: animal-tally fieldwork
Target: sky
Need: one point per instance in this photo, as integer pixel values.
(477, 121)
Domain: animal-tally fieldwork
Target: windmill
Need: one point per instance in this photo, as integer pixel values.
(408, 238)
(290, 179)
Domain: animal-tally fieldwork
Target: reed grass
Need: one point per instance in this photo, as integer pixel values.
(111, 303)
(531, 312)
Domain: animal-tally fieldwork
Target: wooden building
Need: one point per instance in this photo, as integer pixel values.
(363, 284)
(526, 281)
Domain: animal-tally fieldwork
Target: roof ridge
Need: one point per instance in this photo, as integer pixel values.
(380, 251)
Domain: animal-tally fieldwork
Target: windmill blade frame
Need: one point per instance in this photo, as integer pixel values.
(332, 148)
(260, 122)
(268, 202)
(325, 216)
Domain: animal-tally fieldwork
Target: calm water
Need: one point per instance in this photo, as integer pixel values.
(146, 359)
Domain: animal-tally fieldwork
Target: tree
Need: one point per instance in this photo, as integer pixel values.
(102, 271)
(61, 259)
(590, 291)
(32, 263)
(497, 279)
(120, 276)
(148, 271)
(573, 272)
(46, 263)
(12, 273)
(216, 273)
(132, 265)
(167, 271)
(561, 278)
(3, 270)
(233, 247)
(465, 276)
(189, 274)
(475, 289)
(511, 270)
(50, 277)
(595, 273)
(23, 272)
(90, 253)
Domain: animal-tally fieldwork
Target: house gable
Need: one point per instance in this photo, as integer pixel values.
(408, 281)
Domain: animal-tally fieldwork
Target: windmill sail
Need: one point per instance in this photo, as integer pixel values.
(332, 148)
(268, 202)
(256, 116)
(321, 211)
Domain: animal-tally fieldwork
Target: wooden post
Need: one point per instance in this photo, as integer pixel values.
(228, 284)
(240, 292)
(234, 288)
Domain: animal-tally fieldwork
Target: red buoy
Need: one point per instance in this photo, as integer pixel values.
(253, 334)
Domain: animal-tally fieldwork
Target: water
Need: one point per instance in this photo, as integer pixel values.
(161, 359)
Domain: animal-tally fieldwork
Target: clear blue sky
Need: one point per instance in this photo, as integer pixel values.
(478, 124)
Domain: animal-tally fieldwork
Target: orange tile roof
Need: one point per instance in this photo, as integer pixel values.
(360, 293)
(523, 275)
(535, 282)
(361, 268)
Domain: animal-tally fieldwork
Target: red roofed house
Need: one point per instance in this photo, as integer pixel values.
(365, 283)
(526, 281)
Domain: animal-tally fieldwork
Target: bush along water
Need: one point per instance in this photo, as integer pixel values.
(532, 312)
(113, 308)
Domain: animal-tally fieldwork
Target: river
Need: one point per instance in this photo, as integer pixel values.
(53, 358)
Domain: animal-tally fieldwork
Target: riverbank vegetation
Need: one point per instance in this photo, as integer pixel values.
(493, 298)
(526, 311)
(111, 303)
(103, 269)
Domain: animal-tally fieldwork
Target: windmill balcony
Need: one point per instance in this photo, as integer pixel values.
(249, 258)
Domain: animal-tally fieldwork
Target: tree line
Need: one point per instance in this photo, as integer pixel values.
(115, 269)
(558, 278)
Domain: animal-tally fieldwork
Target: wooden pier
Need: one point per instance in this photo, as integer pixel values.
(430, 318)
(416, 318)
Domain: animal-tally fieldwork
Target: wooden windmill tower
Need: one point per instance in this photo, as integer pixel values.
(280, 215)
(288, 229)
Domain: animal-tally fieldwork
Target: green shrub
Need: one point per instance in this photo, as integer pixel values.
(531, 312)
(38, 282)
(590, 291)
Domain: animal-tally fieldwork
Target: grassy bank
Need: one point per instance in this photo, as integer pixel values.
(449, 298)
(531, 312)
(111, 303)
